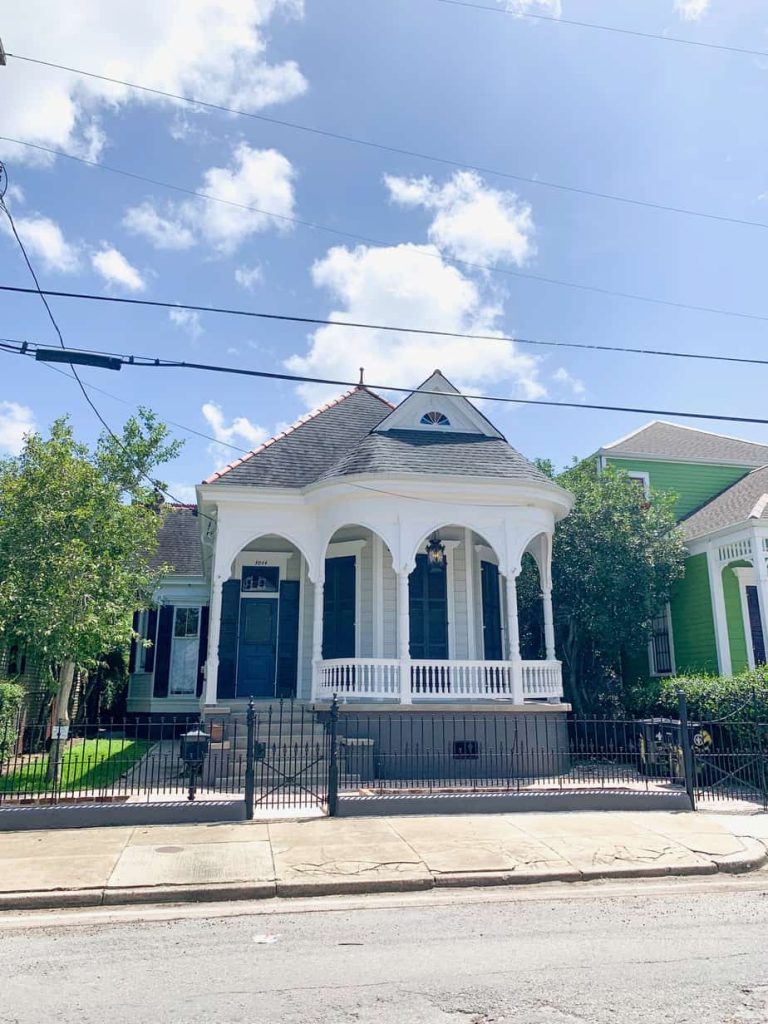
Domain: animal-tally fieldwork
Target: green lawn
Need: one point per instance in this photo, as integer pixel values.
(87, 764)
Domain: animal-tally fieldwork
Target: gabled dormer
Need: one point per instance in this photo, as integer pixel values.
(437, 406)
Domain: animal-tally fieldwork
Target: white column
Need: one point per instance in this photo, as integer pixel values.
(317, 637)
(513, 638)
(378, 596)
(404, 636)
(761, 574)
(718, 610)
(549, 623)
(214, 630)
(469, 568)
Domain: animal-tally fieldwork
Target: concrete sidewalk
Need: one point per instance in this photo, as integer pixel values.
(165, 863)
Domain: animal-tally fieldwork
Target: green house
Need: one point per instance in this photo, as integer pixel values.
(717, 618)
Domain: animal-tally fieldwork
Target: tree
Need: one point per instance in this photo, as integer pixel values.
(77, 534)
(615, 560)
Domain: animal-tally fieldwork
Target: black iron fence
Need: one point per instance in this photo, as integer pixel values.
(290, 755)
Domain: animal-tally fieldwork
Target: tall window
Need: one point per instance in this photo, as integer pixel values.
(661, 646)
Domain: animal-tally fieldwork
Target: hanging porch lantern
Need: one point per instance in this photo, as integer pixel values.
(435, 554)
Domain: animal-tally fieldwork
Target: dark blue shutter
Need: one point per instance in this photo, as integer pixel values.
(489, 578)
(149, 652)
(163, 651)
(428, 610)
(132, 651)
(202, 651)
(288, 639)
(339, 608)
(230, 616)
(756, 626)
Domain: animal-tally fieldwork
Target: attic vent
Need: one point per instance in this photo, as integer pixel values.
(435, 419)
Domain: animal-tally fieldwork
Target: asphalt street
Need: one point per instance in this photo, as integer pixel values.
(641, 955)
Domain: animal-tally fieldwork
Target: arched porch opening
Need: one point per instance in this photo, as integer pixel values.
(262, 649)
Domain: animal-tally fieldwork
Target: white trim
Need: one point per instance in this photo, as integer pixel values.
(722, 642)
(344, 548)
(300, 645)
(377, 577)
(759, 507)
(645, 478)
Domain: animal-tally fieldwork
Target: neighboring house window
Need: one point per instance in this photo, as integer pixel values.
(141, 650)
(184, 652)
(435, 419)
(660, 648)
(642, 480)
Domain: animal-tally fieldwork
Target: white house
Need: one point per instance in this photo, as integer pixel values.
(369, 551)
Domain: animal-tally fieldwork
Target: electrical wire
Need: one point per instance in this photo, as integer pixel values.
(155, 483)
(420, 251)
(151, 362)
(399, 329)
(745, 51)
(384, 147)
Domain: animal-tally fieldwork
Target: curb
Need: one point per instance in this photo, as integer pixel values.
(752, 858)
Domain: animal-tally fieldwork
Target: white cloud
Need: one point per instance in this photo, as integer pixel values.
(249, 277)
(115, 269)
(15, 421)
(472, 221)
(691, 10)
(45, 242)
(551, 7)
(197, 48)
(261, 178)
(574, 384)
(162, 232)
(402, 285)
(182, 492)
(187, 320)
(240, 432)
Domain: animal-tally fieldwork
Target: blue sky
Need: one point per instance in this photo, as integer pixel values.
(673, 124)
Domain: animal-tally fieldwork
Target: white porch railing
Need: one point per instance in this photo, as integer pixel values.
(359, 677)
(438, 680)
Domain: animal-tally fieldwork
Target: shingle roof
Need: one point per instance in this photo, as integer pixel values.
(741, 503)
(421, 451)
(304, 452)
(179, 541)
(673, 441)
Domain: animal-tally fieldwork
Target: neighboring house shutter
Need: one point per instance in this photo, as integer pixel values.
(149, 653)
(428, 610)
(134, 645)
(163, 651)
(489, 576)
(288, 639)
(339, 608)
(202, 651)
(228, 627)
(756, 626)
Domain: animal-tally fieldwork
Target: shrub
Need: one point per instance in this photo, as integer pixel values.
(742, 697)
(11, 698)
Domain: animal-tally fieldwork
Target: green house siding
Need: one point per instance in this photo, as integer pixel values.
(735, 618)
(694, 484)
(693, 625)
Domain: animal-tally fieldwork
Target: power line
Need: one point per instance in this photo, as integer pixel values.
(155, 483)
(371, 144)
(418, 250)
(608, 28)
(390, 328)
(150, 362)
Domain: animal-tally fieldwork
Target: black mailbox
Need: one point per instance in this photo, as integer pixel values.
(194, 746)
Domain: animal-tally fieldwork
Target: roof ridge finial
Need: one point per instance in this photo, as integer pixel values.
(361, 382)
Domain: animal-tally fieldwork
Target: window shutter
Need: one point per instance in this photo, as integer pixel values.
(163, 651)
(288, 639)
(428, 611)
(133, 648)
(202, 651)
(339, 608)
(149, 653)
(489, 577)
(228, 628)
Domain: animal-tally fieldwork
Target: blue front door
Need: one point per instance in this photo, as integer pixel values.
(257, 648)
